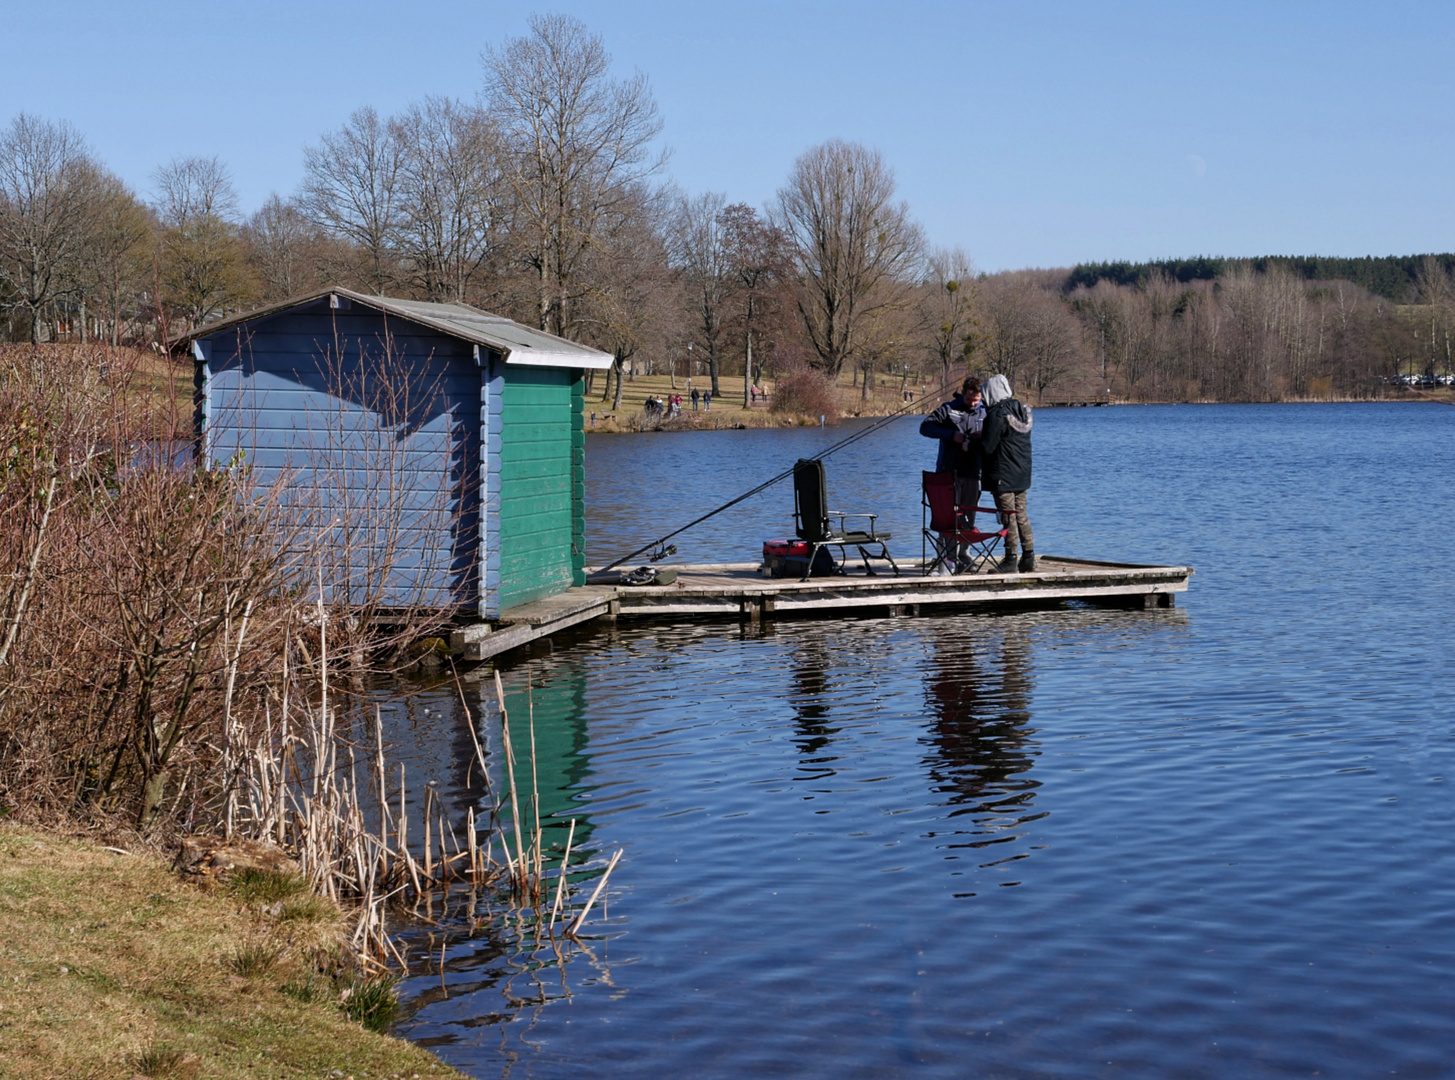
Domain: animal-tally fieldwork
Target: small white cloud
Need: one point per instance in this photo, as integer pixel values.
(1199, 167)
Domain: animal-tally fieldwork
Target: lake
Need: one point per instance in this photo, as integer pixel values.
(1212, 841)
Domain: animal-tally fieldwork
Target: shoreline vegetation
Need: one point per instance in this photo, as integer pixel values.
(728, 414)
(176, 672)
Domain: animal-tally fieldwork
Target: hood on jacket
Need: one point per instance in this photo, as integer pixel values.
(997, 389)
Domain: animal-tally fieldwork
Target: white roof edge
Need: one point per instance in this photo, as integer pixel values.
(596, 361)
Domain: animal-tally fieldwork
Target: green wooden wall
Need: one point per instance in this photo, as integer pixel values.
(541, 545)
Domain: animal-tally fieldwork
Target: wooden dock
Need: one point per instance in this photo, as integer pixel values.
(738, 590)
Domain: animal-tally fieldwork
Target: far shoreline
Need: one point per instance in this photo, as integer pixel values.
(760, 418)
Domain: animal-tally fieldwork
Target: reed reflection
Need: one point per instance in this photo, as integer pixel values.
(980, 745)
(487, 960)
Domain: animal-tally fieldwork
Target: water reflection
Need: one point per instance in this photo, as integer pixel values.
(546, 703)
(478, 958)
(980, 745)
(808, 697)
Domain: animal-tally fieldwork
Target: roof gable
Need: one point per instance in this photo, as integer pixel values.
(519, 344)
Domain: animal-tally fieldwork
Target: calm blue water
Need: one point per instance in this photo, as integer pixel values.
(1208, 842)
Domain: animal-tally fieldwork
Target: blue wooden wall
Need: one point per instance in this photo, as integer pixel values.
(372, 425)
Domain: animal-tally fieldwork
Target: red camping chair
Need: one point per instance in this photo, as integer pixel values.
(947, 526)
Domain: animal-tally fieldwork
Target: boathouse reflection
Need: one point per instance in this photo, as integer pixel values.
(549, 699)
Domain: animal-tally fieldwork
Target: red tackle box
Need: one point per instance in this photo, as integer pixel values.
(789, 558)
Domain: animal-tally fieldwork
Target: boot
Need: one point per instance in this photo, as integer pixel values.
(1028, 562)
(1007, 564)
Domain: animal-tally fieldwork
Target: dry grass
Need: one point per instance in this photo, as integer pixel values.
(727, 409)
(110, 966)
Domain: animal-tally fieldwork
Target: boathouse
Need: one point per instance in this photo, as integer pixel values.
(439, 448)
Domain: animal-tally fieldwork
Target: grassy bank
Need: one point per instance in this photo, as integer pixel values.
(111, 966)
(727, 409)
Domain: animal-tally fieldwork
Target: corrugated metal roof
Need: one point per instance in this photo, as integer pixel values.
(518, 343)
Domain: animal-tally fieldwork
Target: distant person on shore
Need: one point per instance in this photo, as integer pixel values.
(1006, 470)
(694, 400)
(707, 401)
(957, 425)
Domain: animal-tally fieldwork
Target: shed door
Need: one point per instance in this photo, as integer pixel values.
(535, 463)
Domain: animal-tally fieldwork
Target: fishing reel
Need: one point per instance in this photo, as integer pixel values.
(662, 553)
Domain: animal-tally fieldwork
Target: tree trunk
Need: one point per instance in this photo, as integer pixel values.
(748, 371)
(616, 403)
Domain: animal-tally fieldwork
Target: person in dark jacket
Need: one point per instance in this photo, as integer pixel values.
(1005, 470)
(956, 424)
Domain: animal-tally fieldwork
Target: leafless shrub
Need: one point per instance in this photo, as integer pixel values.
(142, 595)
(802, 390)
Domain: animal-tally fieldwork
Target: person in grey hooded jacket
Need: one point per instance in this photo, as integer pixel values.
(1005, 470)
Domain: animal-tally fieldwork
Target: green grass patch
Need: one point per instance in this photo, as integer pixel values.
(307, 909)
(266, 886)
(250, 961)
(311, 987)
(372, 1002)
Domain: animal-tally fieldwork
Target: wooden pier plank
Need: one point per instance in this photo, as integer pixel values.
(738, 590)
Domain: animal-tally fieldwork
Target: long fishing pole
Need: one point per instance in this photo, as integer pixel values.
(784, 475)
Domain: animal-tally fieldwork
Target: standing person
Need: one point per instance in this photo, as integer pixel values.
(707, 401)
(957, 425)
(1006, 470)
(694, 400)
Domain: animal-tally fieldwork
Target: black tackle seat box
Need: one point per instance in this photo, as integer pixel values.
(789, 558)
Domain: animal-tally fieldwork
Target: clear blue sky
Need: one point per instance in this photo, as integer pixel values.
(1029, 134)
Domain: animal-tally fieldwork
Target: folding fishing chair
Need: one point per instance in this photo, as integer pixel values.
(948, 526)
(814, 522)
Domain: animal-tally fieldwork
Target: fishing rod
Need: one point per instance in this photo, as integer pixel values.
(848, 440)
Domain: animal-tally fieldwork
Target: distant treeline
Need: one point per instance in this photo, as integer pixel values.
(1394, 277)
(526, 202)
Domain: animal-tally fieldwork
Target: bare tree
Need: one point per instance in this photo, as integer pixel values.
(758, 255)
(634, 305)
(579, 144)
(114, 266)
(1435, 290)
(699, 250)
(858, 250)
(1031, 335)
(194, 187)
(46, 195)
(283, 244)
(351, 189)
(948, 309)
(204, 271)
(451, 197)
